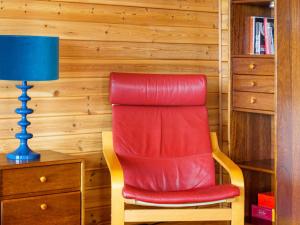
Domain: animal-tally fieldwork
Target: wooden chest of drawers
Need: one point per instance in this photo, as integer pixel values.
(44, 192)
(253, 84)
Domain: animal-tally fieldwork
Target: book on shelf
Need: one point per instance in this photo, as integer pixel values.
(265, 209)
(261, 35)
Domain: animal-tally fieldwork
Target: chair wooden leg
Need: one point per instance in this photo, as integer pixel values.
(117, 207)
(238, 211)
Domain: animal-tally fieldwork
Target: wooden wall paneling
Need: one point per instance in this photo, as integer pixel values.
(89, 105)
(93, 160)
(96, 38)
(112, 14)
(100, 215)
(111, 32)
(73, 67)
(80, 87)
(76, 87)
(97, 177)
(54, 126)
(224, 65)
(189, 5)
(137, 50)
(225, 37)
(76, 143)
(65, 125)
(44, 107)
(97, 197)
(288, 151)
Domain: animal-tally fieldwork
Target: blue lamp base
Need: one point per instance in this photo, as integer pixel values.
(23, 152)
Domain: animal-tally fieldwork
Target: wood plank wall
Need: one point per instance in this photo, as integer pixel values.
(225, 73)
(100, 36)
(288, 107)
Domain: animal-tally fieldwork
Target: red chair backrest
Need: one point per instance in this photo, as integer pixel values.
(160, 131)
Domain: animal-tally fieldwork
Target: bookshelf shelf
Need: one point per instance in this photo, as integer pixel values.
(254, 2)
(258, 222)
(253, 109)
(265, 165)
(253, 56)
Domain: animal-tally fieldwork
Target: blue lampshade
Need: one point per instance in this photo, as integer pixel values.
(29, 58)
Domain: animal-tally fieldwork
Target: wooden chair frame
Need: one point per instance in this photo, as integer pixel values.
(119, 215)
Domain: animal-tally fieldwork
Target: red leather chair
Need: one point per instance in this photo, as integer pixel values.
(161, 153)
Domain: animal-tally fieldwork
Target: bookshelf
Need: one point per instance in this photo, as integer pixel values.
(252, 103)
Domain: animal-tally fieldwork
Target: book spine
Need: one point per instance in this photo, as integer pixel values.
(252, 35)
(267, 38)
(262, 38)
(262, 213)
(257, 38)
(271, 32)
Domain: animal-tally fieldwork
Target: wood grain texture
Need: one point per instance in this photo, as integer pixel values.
(30, 179)
(253, 100)
(136, 50)
(64, 125)
(96, 197)
(97, 177)
(252, 97)
(288, 153)
(45, 191)
(110, 32)
(61, 209)
(255, 182)
(224, 81)
(96, 38)
(80, 87)
(73, 67)
(93, 160)
(251, 138)
(112, 14)
(253, 65)
(190, 5)
(71, 143)
(100, 215)
(264, 84)
(59, 106)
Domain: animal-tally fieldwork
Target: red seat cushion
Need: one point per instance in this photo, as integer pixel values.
(163, 148)
(199, 195)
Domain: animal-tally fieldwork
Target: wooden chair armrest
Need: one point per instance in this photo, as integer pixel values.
(233, 169)
(114, 166)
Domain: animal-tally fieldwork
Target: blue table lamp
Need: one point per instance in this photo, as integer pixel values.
(27, 58)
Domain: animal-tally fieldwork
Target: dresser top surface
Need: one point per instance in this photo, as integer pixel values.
(47, 158)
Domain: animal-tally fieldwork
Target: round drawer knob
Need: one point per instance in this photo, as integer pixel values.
(252, 66)
(43, 206)
(43, 179)
(253, 83)
(253, 100)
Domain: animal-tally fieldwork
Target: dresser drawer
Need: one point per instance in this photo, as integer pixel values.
(253, 83)
(58, 209)
(252, 65)
(42, 178)
(256, 101)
